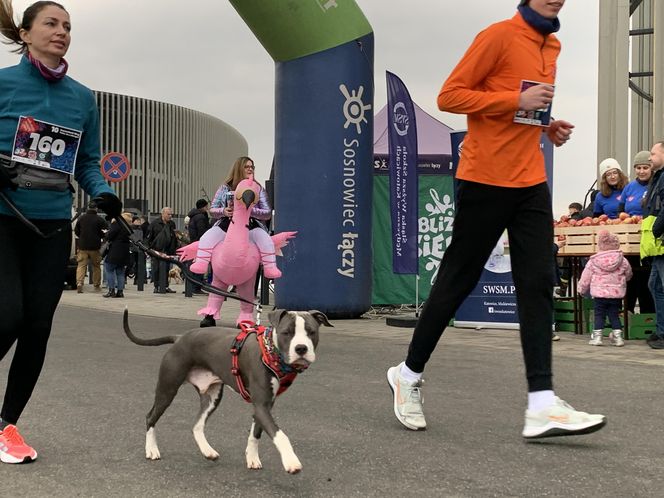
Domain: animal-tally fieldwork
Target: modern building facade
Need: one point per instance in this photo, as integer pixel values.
(176, 155)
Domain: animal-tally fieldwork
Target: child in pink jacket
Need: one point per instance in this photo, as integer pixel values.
(605, 276)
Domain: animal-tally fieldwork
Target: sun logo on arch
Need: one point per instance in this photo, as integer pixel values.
(354, 108)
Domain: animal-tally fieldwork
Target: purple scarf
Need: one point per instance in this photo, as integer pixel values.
(50, 74)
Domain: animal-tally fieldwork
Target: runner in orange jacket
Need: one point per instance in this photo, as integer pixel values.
(502, 186)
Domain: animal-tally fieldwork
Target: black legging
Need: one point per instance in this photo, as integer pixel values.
(33, 272)
(483, 212)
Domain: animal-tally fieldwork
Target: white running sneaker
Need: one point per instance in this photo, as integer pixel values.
(560, 419)
(616, 338)
(407, 400)
(595, 338)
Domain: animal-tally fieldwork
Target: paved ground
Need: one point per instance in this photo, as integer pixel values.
(87, 416)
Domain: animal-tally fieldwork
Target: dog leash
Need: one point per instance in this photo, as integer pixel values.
(186, 272)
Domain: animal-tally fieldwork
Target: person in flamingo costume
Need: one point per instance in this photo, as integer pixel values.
(235, 259)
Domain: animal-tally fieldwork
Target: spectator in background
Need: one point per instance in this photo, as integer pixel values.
(162, 238)
(634, 192)
(611, 184)
(653, 206)
(136, 236)
(605, 279)
(145, 225)
(633, 197)
(199, 223)
(199, 220)
(90, 229)
(563, 266)
(117, 257)
(575, 210)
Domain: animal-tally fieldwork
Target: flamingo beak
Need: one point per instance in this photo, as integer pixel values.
(248, 197)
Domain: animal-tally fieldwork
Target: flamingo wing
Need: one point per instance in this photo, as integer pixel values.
(188, 252)
(281, 239)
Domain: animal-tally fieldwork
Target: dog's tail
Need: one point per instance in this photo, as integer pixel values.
(157, 341)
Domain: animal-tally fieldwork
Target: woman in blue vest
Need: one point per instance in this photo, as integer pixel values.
(633, 197)
(611, 184)
(49, 136)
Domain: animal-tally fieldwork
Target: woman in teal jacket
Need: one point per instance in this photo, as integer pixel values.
(49, 135)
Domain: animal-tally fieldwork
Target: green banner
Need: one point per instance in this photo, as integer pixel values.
(289, 29)
(435, 219)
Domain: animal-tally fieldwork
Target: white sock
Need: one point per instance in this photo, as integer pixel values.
(538, 400)
(408, 375)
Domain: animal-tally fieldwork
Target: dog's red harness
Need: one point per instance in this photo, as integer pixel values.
(269, 354)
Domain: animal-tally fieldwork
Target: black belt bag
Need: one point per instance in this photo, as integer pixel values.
(35, 178)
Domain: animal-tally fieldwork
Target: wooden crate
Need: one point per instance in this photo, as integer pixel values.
(580, 240)
(583, 240)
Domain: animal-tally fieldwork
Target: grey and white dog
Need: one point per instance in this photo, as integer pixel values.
(203, 358)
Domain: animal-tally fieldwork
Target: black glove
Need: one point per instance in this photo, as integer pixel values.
(109, 204)
(7, 177)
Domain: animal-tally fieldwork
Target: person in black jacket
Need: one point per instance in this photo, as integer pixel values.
(199, 220)
(117, 257)
(90, 229)
(199, 223)
(161, 237)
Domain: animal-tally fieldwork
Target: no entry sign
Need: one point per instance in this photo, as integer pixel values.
(115, 167)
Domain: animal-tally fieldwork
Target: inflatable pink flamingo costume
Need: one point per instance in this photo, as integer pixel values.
(235, 260)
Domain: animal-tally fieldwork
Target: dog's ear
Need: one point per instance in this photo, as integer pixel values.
(320, 317)
(275, 316)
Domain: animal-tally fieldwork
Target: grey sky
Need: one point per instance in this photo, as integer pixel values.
(199, 54)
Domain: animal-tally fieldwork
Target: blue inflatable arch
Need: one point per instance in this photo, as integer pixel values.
(323, 53)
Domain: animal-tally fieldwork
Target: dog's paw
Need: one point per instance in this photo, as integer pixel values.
(254, 463)
(292, 465)
(211, 454)
(152, 453)
(151, 448)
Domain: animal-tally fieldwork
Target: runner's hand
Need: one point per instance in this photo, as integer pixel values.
(559, 132)
(109, 204)
(536, 97)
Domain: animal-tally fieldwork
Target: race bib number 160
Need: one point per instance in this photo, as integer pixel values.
(46, 145)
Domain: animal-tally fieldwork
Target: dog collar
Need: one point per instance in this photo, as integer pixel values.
(270, 355)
